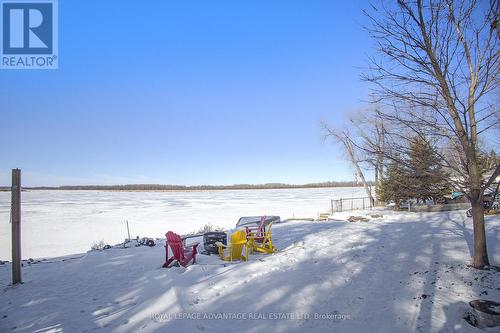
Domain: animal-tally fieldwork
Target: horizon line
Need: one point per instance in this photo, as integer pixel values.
(153, 186)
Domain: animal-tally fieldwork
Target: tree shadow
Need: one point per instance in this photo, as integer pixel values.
(382, 275)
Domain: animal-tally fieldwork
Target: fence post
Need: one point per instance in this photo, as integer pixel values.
(331, 205)
(128, 231)
(341, 205)
(16, 225)
(363, 203)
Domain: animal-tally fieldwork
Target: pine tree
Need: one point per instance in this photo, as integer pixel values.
(427, 179)
(417, 176)
(394, 185)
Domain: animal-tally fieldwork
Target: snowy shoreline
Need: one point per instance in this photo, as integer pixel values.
(410, 267)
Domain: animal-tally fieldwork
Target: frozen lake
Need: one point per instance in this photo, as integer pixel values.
(56, 223)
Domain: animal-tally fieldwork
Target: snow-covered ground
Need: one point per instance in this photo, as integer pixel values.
(403, 272)
(57, 223)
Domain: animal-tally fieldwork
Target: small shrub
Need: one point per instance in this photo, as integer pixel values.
(100, 245)
(207, 228)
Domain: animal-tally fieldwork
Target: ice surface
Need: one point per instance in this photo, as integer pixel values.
(56, 223)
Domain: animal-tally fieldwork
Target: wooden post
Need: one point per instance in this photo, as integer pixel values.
(331, 205)
(341, 204)
(128, 232)
(16, 225)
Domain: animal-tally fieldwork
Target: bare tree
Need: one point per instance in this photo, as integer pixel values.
(438, 73)
(370, 129)
(344, 138)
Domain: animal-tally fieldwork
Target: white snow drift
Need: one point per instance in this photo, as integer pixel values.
(404, 272)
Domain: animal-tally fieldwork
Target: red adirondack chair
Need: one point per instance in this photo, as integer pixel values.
(182, 254)
(260, 229)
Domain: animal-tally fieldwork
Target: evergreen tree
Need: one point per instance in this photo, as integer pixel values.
(394, 185)
(417, 176)
(427, 179)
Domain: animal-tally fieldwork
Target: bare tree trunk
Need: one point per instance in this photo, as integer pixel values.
(352, 155)
(350, 149)
(379, 169)
(480, 258)
(363, 180)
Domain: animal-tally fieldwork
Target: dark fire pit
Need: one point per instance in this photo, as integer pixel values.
(210, 238)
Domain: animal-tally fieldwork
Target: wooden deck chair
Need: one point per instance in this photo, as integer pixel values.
(182, 254)
(234, 250)
(261, 228)
(261, 241)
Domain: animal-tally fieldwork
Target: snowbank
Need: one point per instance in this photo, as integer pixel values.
(404, 272)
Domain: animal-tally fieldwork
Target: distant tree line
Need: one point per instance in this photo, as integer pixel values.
(159, 187)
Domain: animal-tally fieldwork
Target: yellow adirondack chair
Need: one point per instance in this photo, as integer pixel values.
(235, 248)
(261, 241)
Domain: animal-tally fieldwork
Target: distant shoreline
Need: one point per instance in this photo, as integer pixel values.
(181, 188)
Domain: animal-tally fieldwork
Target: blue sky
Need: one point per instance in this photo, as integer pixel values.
(178, 92)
